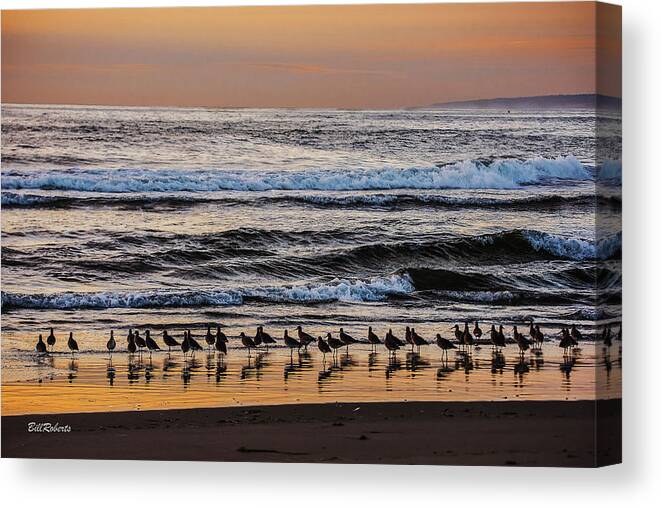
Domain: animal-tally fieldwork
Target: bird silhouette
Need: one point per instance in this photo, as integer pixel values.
(267, 339)
(139, 341)
(51, 340)
(41, 346)
(347, 339)
(334, 343)
(209, 338)
(194, 345)
(444, 344)
(169, 340)
(292, 343)
(72, 344)
(373, 338)
(111, 343)
(151, 343)
(185, 344)
(392, 343)
(477, 332)
(247, 342)
(324, 348)
(304, 337)
(418, 340)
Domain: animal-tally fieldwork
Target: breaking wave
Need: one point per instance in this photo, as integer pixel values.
(503, 173)
(374, 289)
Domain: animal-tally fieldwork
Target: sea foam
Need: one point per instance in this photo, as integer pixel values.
(509, 173)
(374, 289)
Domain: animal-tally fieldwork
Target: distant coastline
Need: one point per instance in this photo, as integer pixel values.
(576, 101)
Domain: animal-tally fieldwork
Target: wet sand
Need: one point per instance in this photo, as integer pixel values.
(516, 433)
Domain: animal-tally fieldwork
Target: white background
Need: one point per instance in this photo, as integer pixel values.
(636, 482)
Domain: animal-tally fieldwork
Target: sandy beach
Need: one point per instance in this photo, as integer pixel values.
(526, 433)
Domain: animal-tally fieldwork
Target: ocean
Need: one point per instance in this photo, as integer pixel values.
(116, 218)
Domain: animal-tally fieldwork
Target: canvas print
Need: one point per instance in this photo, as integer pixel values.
(384, 234)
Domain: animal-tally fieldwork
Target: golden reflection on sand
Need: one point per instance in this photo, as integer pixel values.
(96, 383)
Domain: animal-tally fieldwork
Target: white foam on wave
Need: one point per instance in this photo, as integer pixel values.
(468, 174)
(374, 289)
(574, 248)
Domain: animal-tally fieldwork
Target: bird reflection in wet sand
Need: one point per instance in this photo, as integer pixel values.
(186, 374)
(497, 362)
(110, 374)
(255, 366)
(566, 368)
(394, 364)
(372, 361)
(464, 361)
(521, 366)
(415, 362)
(294, 366)
(149, 371)
(537, 359)
(221, 371)
(133, 371)
(168, 364)
(73, 370)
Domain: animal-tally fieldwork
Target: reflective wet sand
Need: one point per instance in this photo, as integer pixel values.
(92, 382)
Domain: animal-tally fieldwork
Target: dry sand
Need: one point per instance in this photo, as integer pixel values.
(524, 433)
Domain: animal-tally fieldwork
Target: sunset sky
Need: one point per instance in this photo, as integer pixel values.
(379, 56)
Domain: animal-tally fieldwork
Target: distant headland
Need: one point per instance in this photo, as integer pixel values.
(577, 101)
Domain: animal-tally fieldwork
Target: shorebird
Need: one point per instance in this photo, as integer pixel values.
(221, 345)
(41, 346)
(258, 338)
(334, 343)
(417, 339)
(444, 344)
(477, 332)
(408, 337)
(458, 335)
(396, 340)
(247, 342)
(501, 337)
(347, 339)
(392, 343)
(220, 336)
(139, 341)
(267, 339)
(151, 343)
(292, 343)
(373, 338)
(72, 344)
(169, 340)
(566, 342)
(493, 335)
(185, 344)
(324, 348)
(466, 336)
(111, 344)
(193, 343)
(576, 335)
(131, 346)
(209, 338)
(304, 337)
(521, 340)
(539, 335)
(51, 340)
(533, 333)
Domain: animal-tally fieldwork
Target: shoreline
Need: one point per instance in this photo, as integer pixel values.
(515, 433)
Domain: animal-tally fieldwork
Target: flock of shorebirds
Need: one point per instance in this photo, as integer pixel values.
(465, 340)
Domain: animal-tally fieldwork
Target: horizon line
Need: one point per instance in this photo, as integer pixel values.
(163, 106)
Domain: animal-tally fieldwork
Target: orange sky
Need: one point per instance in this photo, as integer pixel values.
(378, 56)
